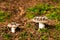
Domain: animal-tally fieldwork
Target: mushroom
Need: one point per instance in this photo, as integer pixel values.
(13, 26)
(42, 20)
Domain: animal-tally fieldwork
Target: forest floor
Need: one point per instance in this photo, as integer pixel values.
(26, 30)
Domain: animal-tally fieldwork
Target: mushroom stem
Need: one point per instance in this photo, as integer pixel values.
(41, 25)
(13, 30)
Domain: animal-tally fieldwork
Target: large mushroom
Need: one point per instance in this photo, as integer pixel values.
(13, 26)
(42, 20)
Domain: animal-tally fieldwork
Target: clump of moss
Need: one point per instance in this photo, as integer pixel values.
(40, 8)
(7, 36)
(4, 16)
(28, 25)
(53, 16)
(30, 15)
(55, 1)
(57, 26)
(23, 35)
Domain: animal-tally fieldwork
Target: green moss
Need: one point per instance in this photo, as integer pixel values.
(29, 25)
(53, 16)
(30, 15)
(43, 30)
(44, 37)
(4, 16)
(57, 26)
(55, 0)
(44, 33)
(7, 36)
(23, 35)
(40, 8)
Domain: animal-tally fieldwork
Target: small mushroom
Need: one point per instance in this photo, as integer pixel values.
(41, 20)
(13, 26)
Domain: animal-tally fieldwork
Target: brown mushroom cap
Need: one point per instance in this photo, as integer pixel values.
(43, 19)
